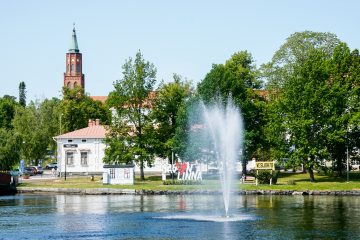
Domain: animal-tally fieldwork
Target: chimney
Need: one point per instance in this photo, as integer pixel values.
(90, 123)
(97, 122)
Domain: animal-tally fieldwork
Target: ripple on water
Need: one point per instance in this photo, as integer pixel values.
(209, 218)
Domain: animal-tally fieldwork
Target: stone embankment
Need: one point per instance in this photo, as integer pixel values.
(113, 191)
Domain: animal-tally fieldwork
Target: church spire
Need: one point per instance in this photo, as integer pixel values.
(74, 48)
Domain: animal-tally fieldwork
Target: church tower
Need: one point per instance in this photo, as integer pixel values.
(73, 76)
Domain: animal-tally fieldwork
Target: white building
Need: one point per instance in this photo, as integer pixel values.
(81, 152)
(119, 174)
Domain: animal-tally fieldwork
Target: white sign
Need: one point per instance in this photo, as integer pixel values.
(185, 171)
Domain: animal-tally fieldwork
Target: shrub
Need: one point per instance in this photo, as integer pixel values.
(264, 177)
(182, 182)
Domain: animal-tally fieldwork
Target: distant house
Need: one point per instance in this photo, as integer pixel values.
(81, 152)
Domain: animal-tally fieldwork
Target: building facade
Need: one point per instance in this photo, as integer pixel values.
(81, 152)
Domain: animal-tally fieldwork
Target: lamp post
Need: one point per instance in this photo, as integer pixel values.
(347, 163)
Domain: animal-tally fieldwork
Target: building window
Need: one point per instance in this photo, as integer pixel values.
(69, 158)
(69, 140)
(75, 84)
(126, 173)
(83, 140)
(84, 158)
(112, 173)
(72, 67)
(78, 68)
(68, 85)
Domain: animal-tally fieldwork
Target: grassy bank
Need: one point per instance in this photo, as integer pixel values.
(286, 181)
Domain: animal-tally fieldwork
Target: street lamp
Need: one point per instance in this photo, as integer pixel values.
(347, 163)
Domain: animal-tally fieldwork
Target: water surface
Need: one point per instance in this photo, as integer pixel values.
(178, 217)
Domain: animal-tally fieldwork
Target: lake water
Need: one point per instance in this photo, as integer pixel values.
(178, 217)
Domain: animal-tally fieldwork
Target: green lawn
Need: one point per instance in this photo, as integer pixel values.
(301, 181)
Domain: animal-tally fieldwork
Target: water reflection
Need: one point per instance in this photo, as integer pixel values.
(128, 216)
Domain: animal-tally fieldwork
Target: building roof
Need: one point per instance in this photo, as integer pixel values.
(97, 131)
(99, 98)
(74, 48)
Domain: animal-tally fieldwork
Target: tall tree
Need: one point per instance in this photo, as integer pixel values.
(77, 108)
(10, 144)
(131, 135)
(37, 124)
(294, 52)
(7, 111)
(343, 102)
(170, 97)
(29, 125)
(280, 72)
(22, 94)
(238, 78)
(304, 104)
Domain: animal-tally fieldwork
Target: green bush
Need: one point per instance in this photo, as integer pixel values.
(264, 176)
(182, 182)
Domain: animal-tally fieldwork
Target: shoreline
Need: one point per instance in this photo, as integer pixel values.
(112, 191)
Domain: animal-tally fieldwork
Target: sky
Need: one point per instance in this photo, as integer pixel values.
(184, 37)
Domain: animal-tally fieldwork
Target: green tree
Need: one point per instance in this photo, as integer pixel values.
(10, 144)
(7, 111)
(343, 102)
(131, 131)
(292, 55)
(294, 52)
(170, 97)
(238, 78)
(77, 108)
(22, 94)
(29, 125)
(304, 104)
(49, 111)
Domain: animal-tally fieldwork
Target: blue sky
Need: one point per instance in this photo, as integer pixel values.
(184, 37)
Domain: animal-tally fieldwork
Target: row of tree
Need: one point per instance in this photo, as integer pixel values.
(300, 108)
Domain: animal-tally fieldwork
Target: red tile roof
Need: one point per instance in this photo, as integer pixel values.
(98, 131)
(99, 98)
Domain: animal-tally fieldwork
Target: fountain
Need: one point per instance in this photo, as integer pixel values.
(216, 136)
(224, 126)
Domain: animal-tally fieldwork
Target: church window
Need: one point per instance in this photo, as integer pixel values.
(78, 68)
(72, 67)
(68, 85)
(75, 84)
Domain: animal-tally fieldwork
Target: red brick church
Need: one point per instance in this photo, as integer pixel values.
(74, 76)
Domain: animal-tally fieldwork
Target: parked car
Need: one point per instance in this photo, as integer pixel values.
(39, 170)
(51, 165)
(30, 170)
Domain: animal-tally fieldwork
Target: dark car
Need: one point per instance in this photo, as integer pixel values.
(30, 170)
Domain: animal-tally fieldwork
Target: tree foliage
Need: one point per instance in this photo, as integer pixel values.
(238, 78)
(131, 132)
(170, 97)
(294, 52)
(310, 119)
(37, 124)
(77, 108)
(8, 105)
(22, 94)
(10, 144)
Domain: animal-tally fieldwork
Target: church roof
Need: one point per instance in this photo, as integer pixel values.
(74, 48)
(99, 98)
